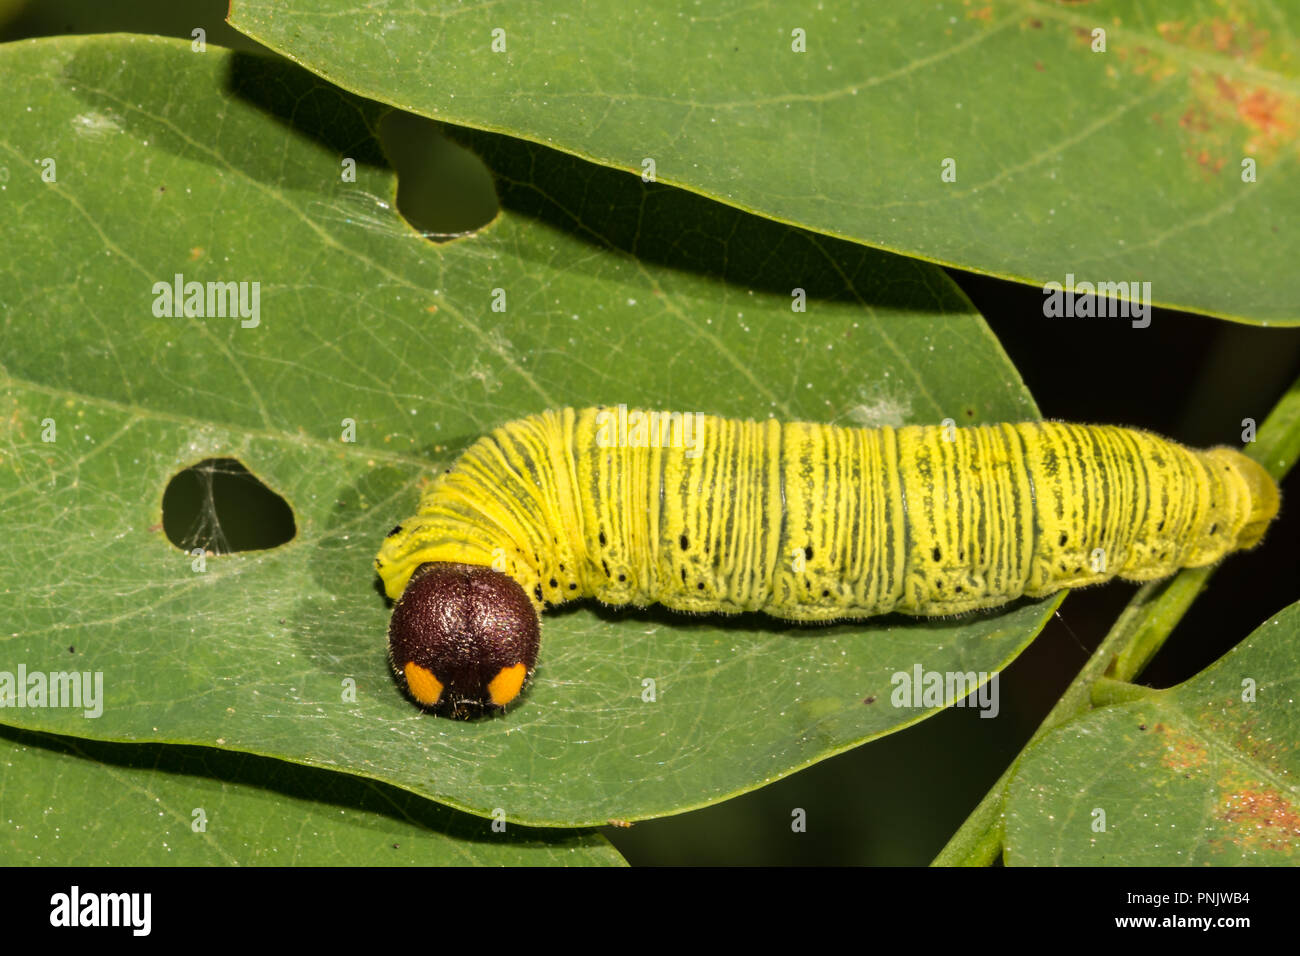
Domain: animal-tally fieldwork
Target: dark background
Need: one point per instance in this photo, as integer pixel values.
(896, 800)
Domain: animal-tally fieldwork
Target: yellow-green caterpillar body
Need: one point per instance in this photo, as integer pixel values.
(801, 521)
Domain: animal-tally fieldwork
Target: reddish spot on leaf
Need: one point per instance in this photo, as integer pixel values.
(1221, 32)
(1262, 110)
(1213, 164)
(1184, 753)
(1194, 119)
(1265, 818)
(1225, 88)
(1220, 36)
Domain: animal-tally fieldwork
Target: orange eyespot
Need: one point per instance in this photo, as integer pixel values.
(424, 686)
(505, 686)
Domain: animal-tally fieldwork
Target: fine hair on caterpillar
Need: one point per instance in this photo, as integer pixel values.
(800, 521)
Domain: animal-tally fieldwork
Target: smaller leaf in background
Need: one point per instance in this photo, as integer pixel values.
(1207, 772)
(1132, 141)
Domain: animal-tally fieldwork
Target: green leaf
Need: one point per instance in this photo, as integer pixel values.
(82, 803)
(617, 292)
(1207, 772)
(1115, 166)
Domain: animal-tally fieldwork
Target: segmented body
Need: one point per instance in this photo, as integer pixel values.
(818, 522)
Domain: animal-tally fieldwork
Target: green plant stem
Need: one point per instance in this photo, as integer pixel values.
(1107, 691)
(1164, 610)
(1136, 636)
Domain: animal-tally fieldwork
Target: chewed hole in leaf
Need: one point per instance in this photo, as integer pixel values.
(444, 191)
(219, 506)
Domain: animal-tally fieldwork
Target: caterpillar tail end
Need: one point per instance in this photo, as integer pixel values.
(463, 638)
(1264, 497)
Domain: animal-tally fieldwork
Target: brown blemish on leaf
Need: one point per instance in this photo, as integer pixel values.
(1184, 753)
(1238, 723)
(1210, 163)
(1263, 110)
(1222, 34)
(1194, 119)
(1264, 819)
(1145, 62)
(1238, 40)
(1226, 116)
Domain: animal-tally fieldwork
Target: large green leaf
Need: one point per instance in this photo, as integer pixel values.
(1115, 166)
(227, 167)
(1207, 772)
(85, 803)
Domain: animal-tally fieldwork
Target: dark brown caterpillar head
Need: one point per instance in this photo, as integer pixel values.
(463, 637)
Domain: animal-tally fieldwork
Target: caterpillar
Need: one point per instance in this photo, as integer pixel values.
(800, 521)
